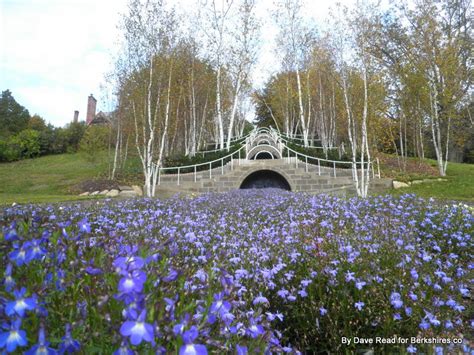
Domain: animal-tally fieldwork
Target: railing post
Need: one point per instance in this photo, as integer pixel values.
(373, 171)
(178, 175)
(334, 166)
(306, 161)
(296, 160)
(354, 170)
(319, 167)
(232, 162)
(159, 176)
(239, 156)
(378, 167)
(195, 173)
(222, 166)
(210, 170)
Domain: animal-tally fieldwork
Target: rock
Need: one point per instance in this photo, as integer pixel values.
(416, 182)
(138, 190)
(103, 192)
(94, 193)
(84, 194)
(399, 184)
(113, 193)
(125, 188)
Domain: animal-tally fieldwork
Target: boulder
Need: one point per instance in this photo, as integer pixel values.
(138, 190)
(416, 182)
(113, 193)
(103, 192)
(84, 193)
(125, 188)
(94, 193)
(399, 184)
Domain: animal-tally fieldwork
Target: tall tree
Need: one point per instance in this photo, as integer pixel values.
(13, 117)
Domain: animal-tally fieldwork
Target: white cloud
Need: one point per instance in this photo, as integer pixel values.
(54, 53)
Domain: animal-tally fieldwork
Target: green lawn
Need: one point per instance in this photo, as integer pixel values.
(49, 178)
(459, 184)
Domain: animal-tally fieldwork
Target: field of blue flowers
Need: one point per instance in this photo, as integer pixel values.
(250, 271)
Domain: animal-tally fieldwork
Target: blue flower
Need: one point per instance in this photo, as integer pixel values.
(84, 226)
(424, 325)
(20, 304)
(411, 349)
(359, 305)
(123, 350)
(138, 330)
(395, 300)
(19, 256)
(172, 275)
(42, 347)
(68, 344)
(189, 348)
(323, 311)
(219, 305)
(133, 282)
(241, 350)
(260, 299)
(9, 282)
(14, 337)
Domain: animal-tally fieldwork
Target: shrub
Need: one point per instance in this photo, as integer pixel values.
(95, 139)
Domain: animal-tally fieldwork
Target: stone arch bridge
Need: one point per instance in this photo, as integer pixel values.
(265, 160)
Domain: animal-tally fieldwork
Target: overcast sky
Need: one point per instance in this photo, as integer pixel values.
(54, 53)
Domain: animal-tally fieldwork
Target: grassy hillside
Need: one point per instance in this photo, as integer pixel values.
(459, 184)
(47, 179)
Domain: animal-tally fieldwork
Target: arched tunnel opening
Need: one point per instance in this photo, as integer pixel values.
(263, 155)
(262, 179)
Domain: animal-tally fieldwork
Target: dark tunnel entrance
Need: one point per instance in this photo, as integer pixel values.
(265, 179)
(263, 155)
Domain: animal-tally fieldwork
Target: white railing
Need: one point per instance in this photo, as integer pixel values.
(308, 146)
(305, 158)
(235, 139)
(194, 167)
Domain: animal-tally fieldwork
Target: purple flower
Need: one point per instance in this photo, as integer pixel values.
(241, 350)
(11, 235)
(172, 275)
(8, 281)
(137, 330)
(395, 300)
(219, 305)
(260, 299)
(359, 305)
(84, 226)
(14, 337)
(20, 304)
(19, 256)
(189, 348)
(124, 349)
(323, 311)
(133, 282)
(42, 347)
(411, 349)
(424, 325)
(68, 344)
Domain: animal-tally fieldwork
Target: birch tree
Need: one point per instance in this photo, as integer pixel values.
(294, 40)
(149, 30)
